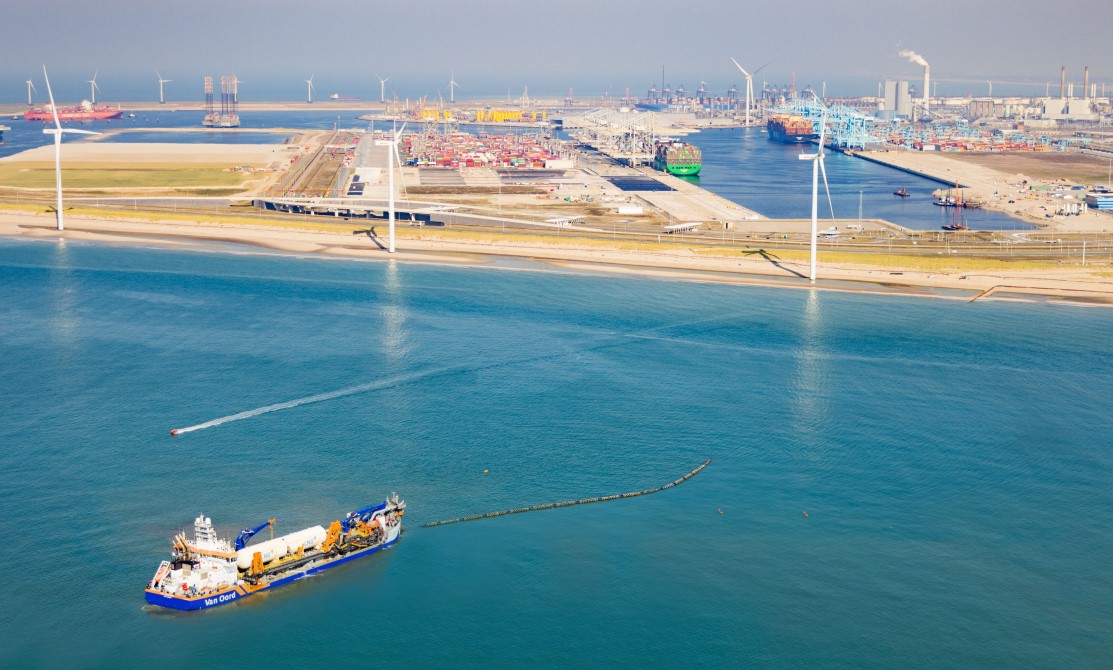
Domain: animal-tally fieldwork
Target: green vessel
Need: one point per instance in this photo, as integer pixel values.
(678, 158)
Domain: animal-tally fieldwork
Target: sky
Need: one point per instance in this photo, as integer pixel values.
(495, 49)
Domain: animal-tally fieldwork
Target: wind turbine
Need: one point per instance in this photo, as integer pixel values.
(817, 167)
(309, 93)
(161, 81)
(30, 87)
(749, 86)
(452, 86)
(57, 131)
(93, 88)
(393, 155)
(382, 88)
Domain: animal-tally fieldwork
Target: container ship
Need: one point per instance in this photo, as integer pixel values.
(790, 129)
(207, 571)
(677, 158)
(86, 111)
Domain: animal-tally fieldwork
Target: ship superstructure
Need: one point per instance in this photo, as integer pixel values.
(208, 571)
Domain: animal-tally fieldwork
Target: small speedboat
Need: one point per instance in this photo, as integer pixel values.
(902, 192)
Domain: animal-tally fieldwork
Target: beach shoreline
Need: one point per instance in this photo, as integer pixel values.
(670, 262)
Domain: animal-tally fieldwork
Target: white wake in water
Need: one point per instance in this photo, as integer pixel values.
(320, 397)
(609, 339)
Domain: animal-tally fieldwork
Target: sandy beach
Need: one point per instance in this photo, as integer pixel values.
(1070, 283)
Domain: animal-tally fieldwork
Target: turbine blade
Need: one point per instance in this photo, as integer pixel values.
(53, 109)
(823, 169)
(740, 67)
(157, 74)
(763, 67)
(79, 131)
(819, 157)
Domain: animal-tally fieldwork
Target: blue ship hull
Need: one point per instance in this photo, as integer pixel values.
(239, 592)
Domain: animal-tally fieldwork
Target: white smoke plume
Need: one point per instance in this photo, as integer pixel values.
(913, 56)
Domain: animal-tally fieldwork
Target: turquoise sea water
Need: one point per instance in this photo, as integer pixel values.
(953, 460)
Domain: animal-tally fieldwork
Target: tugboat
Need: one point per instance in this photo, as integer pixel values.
(903, 192)
(208, 571)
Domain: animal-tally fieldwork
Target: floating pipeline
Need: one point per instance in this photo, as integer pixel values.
(569, 503)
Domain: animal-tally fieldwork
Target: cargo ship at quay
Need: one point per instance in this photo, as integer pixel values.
(677, 158)
(790, 129)
(86, 111)
(207, 571)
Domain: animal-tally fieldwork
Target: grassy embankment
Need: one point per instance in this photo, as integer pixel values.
(926, 263)
(81, 176)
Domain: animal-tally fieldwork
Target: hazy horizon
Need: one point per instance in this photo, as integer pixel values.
(591, 47)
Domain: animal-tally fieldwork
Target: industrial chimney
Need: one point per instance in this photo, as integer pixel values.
(1063, 83)
(927, 89)
(1086, 82)
(919, 60)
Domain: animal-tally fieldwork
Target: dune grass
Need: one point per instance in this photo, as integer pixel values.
(112, 175)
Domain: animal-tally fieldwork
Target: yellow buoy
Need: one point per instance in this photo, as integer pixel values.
(484, 472)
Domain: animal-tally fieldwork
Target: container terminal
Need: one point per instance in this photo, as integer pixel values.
(608, 178)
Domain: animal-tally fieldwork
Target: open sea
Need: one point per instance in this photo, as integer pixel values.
(897, 482)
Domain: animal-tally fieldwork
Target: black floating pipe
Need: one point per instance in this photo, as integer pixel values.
(568, 503)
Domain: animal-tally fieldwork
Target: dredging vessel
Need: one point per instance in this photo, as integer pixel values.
(208, 571)
(790, 129)
(86, 111)
(677, 158)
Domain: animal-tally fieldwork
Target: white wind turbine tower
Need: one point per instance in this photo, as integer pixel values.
(817, 167)
(452, 86)
(382, 88)
(30, 87)
(309, 92)
(57, 131)
(161, 81)
(749, 86)
(391, 158)
(93, 88)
